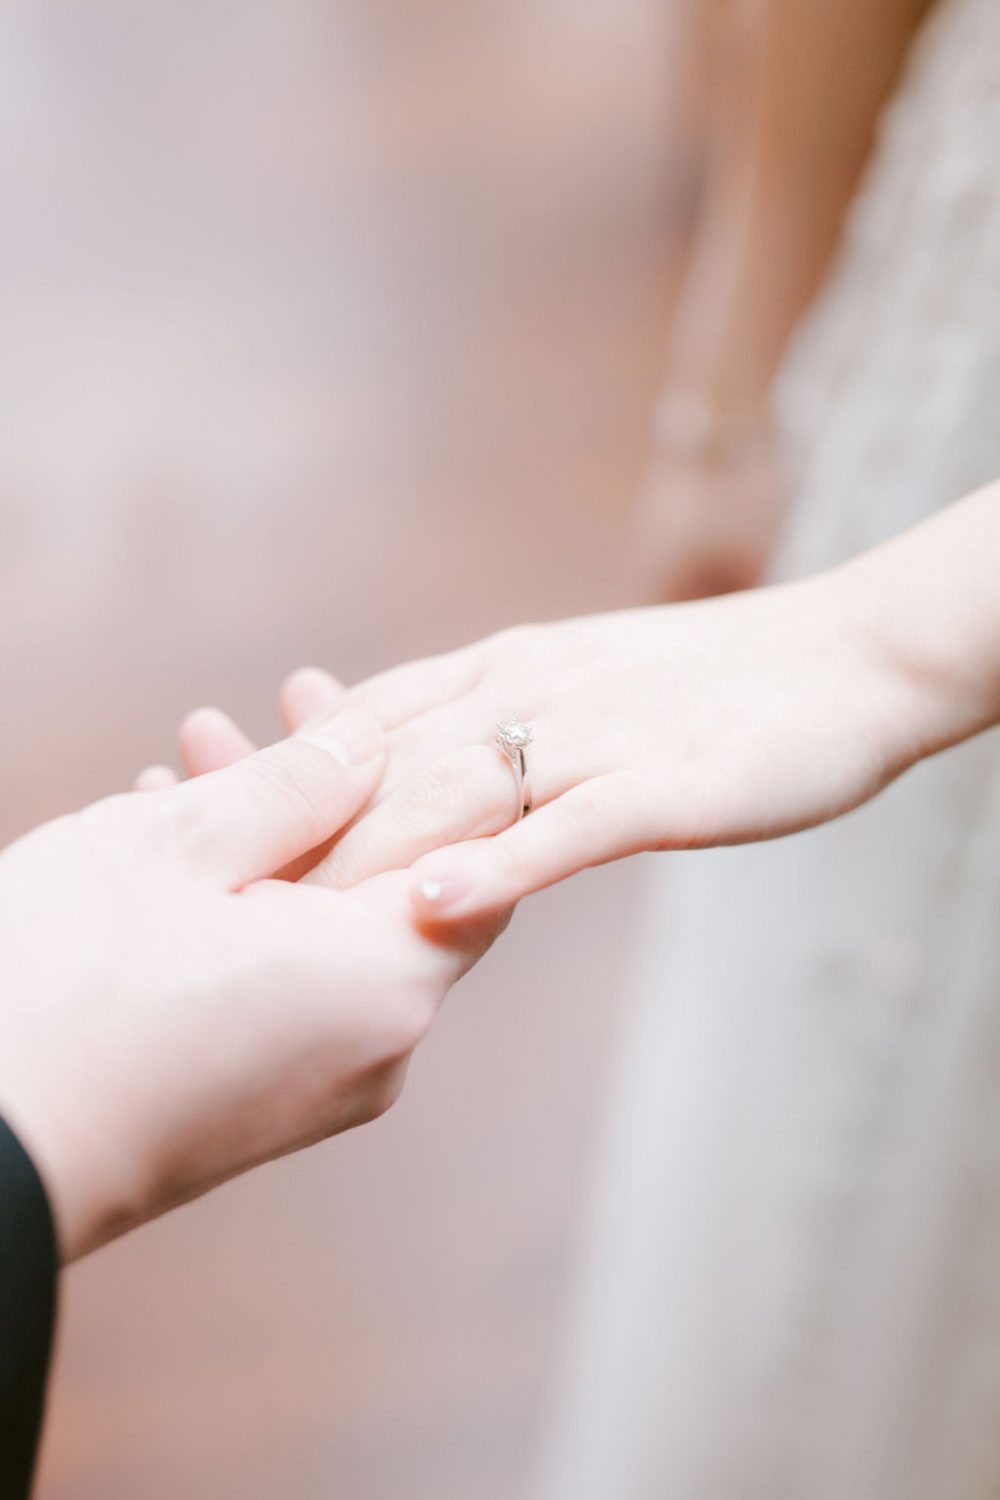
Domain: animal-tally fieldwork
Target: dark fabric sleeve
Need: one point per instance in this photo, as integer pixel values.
(28, 1264)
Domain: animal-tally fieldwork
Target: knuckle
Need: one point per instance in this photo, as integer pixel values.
(509, 865)
(185, 827)
(435, 796)
(383, 1090)
(281, 781)
(465, 668)
(334, 871)
(118, 811)
(123, 821)
(408, 1028)
(175, 822)
(592, 809)
(513, 638)
(410, 1022)
(432, 792)
(469, 790)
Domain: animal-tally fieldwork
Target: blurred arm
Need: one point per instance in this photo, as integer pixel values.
(793, 91)
(800, 84)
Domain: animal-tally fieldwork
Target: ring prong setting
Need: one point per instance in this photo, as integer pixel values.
(514, 736)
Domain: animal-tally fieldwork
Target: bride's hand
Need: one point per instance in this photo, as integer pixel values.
(673, 727)
(681, 726)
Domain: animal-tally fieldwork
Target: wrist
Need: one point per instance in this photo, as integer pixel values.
(92, 1178)
(925, 611)
(697, 421)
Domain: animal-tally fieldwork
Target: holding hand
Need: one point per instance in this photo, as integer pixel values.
(173, 1017)
(683, 726)
(673, 727)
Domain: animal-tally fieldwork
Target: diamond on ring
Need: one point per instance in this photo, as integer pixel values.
(514, 736)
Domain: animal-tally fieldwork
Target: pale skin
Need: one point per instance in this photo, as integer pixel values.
(172, 1017)
(794, 89)
(688, 725)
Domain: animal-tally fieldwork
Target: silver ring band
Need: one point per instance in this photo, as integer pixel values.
(513, 738)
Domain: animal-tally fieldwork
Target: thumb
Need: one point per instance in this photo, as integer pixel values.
(249, 819)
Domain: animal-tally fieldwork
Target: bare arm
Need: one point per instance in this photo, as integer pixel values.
(797, 87)
(802, 85)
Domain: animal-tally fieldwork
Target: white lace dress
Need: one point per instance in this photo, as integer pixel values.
(791, 1282)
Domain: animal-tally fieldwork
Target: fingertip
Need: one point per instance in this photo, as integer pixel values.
(452, 885)
(465, 922)
(207, 718)
(209, 740)
(307, 692)
(155, 779)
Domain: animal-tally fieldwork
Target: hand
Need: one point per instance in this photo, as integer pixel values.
(672, 727)
(707, 524)
(469, 794)
(686, 725)
(170, 1017)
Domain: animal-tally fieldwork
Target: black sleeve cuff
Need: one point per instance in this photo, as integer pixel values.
(28, 1265)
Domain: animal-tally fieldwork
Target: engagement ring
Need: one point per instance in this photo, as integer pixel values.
(513, 738)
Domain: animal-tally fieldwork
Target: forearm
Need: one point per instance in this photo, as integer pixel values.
(806, 80)
(927, 606)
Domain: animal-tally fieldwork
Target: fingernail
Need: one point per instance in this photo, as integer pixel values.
(444, 892)
(353, 738)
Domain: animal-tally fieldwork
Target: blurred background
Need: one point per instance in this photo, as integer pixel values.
(328, 334)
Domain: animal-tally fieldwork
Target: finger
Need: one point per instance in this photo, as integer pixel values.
(155, 779)
(447, 952)
(405, 972)
(250, 819)
(597, 821)
(557, 759)
(210, 740)
(403, 692)
(306, 693)
(468, 794)
(429, 738)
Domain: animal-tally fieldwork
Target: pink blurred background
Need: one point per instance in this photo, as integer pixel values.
(329, 334)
